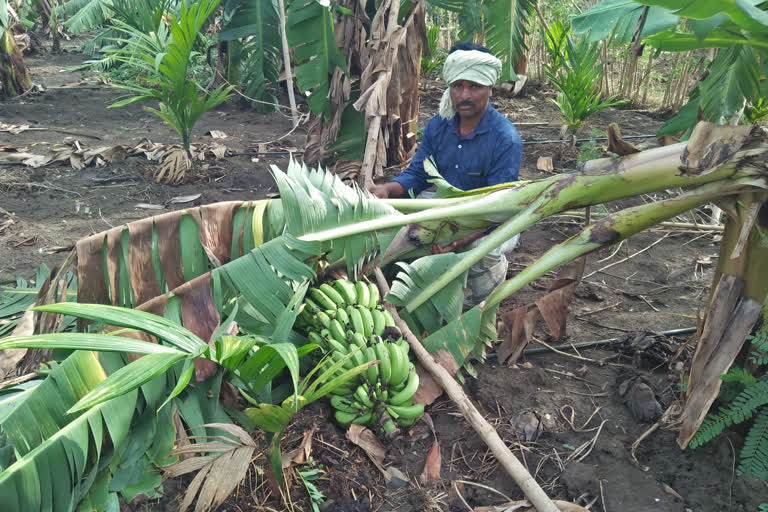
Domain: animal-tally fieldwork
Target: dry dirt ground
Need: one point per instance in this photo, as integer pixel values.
(584, 452)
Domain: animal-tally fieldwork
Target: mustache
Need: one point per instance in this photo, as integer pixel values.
(465, 103)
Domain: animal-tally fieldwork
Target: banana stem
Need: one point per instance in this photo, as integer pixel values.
(496, 202)
(512, 227)
(612, 229)
(601, 181)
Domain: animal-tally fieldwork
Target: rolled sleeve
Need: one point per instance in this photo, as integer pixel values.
(414, 178)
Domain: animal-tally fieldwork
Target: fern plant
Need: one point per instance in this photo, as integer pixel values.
(750, 402)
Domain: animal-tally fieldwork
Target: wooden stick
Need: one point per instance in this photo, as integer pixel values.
(624, 259)
(487, 433)
(287, 63)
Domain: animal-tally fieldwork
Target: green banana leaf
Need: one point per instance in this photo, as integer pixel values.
(618, 18)
(59, 454)
(505, 36)
(734, 76)
(252, 30)
(719, 38)
(15, 300)
(316, 200)
(444, 306)
(309, 29)
(82, 15)
(744, 13)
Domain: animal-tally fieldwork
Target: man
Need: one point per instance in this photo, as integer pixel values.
(478, 148)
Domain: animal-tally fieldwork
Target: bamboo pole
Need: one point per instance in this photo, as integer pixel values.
(487, 433)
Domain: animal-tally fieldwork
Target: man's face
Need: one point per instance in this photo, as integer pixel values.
(470, 99)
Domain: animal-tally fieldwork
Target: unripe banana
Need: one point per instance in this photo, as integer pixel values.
(374, 295)
(345, 418)
(390, 320)
(399, 364)
(406, 412)
(338, 332)
(363, 294)
(348, 364)
(404, 346)
(343, 317)
(367, 321)
(362, 396)
(303, 318)
(408, 391)
(346, 290)
(396, 389)
(406, 422)
(379, 322)
(332, 294)
(312, 306)
(359, 340)
(357, 354)
(317, 339)
(389, 427)
(356, 319)
(322, 299)
(337, 347)
(385, 368)
(323, 318)
(373, 371)
(343, 403)
(364, 419)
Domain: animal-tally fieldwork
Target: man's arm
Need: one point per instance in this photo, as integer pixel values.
(508, 155)
(389, 189)
(414, 177)
(458, 244)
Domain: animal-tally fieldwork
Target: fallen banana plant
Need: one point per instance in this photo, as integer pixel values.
(235, 251)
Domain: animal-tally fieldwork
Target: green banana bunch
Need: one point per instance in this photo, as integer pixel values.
(345, 317)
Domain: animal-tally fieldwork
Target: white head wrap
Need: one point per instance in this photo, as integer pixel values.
(473, 65)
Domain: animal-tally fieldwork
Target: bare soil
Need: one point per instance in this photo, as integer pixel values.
(660, 289)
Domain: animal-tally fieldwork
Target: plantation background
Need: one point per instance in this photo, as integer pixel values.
(660, 289)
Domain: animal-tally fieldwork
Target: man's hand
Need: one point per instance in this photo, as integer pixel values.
(457, 245)
(390, 189)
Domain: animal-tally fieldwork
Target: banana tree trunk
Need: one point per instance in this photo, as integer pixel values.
(14, 77)
(739, 293)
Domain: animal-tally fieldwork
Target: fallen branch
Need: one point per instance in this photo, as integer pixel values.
(487, 433)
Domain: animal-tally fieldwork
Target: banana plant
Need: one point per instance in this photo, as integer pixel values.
(324, 220)
(250, 37)
(501, 24)
(14, 76)
(737, 30)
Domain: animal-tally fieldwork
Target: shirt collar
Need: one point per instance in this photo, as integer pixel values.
(482, 127)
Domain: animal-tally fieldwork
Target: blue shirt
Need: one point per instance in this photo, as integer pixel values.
(488, 156)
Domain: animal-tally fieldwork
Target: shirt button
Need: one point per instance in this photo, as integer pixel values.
(457, 166)
(459, 146)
